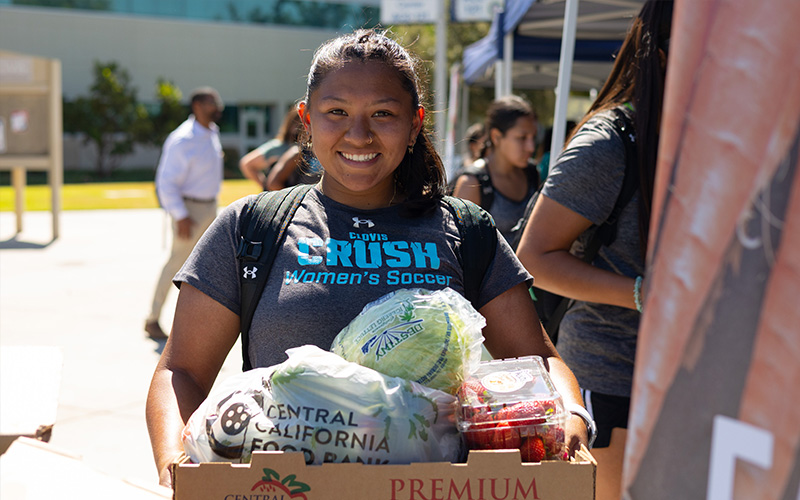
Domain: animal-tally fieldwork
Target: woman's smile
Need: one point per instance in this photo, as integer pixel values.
(360, 158)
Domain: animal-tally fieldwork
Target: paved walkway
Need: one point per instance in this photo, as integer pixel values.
(87, 293)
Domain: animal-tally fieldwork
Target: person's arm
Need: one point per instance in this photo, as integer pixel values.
(203, 333)
(283, 168)
(544, 251)
(252, 166)
(512, 330)
(468, 187)
(172, 172)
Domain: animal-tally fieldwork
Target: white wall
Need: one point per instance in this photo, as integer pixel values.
(247, 64)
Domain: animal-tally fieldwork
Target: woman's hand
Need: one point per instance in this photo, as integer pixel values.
(576, 434)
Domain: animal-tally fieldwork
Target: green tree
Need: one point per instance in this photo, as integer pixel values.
(421, 39)
(153, 128)
(107, 117)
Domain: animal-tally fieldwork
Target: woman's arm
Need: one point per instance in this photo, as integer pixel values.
(468, 188)
(512, 330)
(203, 333)
(283, 168)
(252, 166)
(544, 250)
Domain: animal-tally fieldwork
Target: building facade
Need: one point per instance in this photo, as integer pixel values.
(258, 68)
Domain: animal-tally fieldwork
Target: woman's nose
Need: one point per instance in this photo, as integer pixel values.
(359, 132)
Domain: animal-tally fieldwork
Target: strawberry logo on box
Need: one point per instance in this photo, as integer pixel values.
(287, 487)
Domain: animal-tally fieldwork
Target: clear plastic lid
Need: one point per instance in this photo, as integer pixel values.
(515, 390)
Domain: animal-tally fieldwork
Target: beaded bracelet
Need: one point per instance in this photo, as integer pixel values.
(637, 293)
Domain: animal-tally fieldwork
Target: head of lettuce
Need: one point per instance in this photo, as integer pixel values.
(429, 337)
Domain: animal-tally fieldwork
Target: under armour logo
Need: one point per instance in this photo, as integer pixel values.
(357, 222)
(250, 274)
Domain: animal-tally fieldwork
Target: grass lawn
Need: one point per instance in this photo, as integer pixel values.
(109, 195)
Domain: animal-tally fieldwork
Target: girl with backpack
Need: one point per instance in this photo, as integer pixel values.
(504, 178)
(377, 216)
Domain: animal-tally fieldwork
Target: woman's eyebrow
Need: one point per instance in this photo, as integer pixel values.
(385, 100)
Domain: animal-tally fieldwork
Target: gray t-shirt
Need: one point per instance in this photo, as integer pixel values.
(507, 212)
(334, 261)
(598, 341)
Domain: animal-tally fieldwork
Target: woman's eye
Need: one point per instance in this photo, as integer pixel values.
(337, 112)
(383, 113)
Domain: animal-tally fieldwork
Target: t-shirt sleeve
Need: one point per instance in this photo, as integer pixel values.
(587, 176)
(504, 273)
(212, 267)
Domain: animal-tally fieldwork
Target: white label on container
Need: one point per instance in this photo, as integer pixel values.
(507, 381)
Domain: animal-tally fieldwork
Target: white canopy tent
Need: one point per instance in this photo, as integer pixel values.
(521, 48)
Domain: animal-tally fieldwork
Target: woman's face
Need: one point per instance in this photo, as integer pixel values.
(361, 122)
(516, 146)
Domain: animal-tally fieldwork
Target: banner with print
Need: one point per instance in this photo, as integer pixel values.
(715, 411)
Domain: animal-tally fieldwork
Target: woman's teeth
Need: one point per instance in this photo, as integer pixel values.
(366, 157)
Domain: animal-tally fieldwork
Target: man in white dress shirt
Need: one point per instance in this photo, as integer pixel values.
(188, 180)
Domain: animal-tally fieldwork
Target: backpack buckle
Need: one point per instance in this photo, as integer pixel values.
(249, 250)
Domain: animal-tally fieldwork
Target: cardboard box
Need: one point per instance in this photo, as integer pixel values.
(488, 474)
(30, 380)
(33, 470)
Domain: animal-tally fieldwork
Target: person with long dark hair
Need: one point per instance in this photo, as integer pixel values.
(506, 178)
(377, 215)
(598, 334)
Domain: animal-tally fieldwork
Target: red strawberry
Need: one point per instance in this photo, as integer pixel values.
(473, 392)
(555, 440)
(480, 436)
(524, 413)
(533, 450)
(505, 437)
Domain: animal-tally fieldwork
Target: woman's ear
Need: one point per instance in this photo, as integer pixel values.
(416, 124)
(302, 110)
(495, 135)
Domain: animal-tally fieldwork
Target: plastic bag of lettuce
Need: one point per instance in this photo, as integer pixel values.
(329, 409)
(430, 337)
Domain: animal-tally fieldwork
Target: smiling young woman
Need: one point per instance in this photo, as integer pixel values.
(377, 214)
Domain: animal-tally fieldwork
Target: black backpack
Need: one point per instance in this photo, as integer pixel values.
(263, 226)
(485, 180)
(551, 307)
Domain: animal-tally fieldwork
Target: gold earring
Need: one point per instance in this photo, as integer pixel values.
(410, 149)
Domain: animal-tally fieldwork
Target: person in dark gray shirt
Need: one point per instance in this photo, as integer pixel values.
(374, 223)
(597, 335)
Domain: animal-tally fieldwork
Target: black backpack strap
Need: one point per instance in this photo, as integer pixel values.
(607, 232)
(479, 243)
(262, 228)
(485, 181)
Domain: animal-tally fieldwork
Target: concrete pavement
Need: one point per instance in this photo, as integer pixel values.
(88, 293)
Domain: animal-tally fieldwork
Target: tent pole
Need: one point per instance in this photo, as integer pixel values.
(440, 78)
(508, 55)
(564, 78)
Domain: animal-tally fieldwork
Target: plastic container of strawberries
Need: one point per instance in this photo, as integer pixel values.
(512, 403)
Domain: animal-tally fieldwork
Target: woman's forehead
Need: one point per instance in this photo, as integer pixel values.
(355, 80)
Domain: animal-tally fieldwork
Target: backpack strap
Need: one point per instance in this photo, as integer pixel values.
(607, 232)
(262, 228)
(482, 174)
(478, 243)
